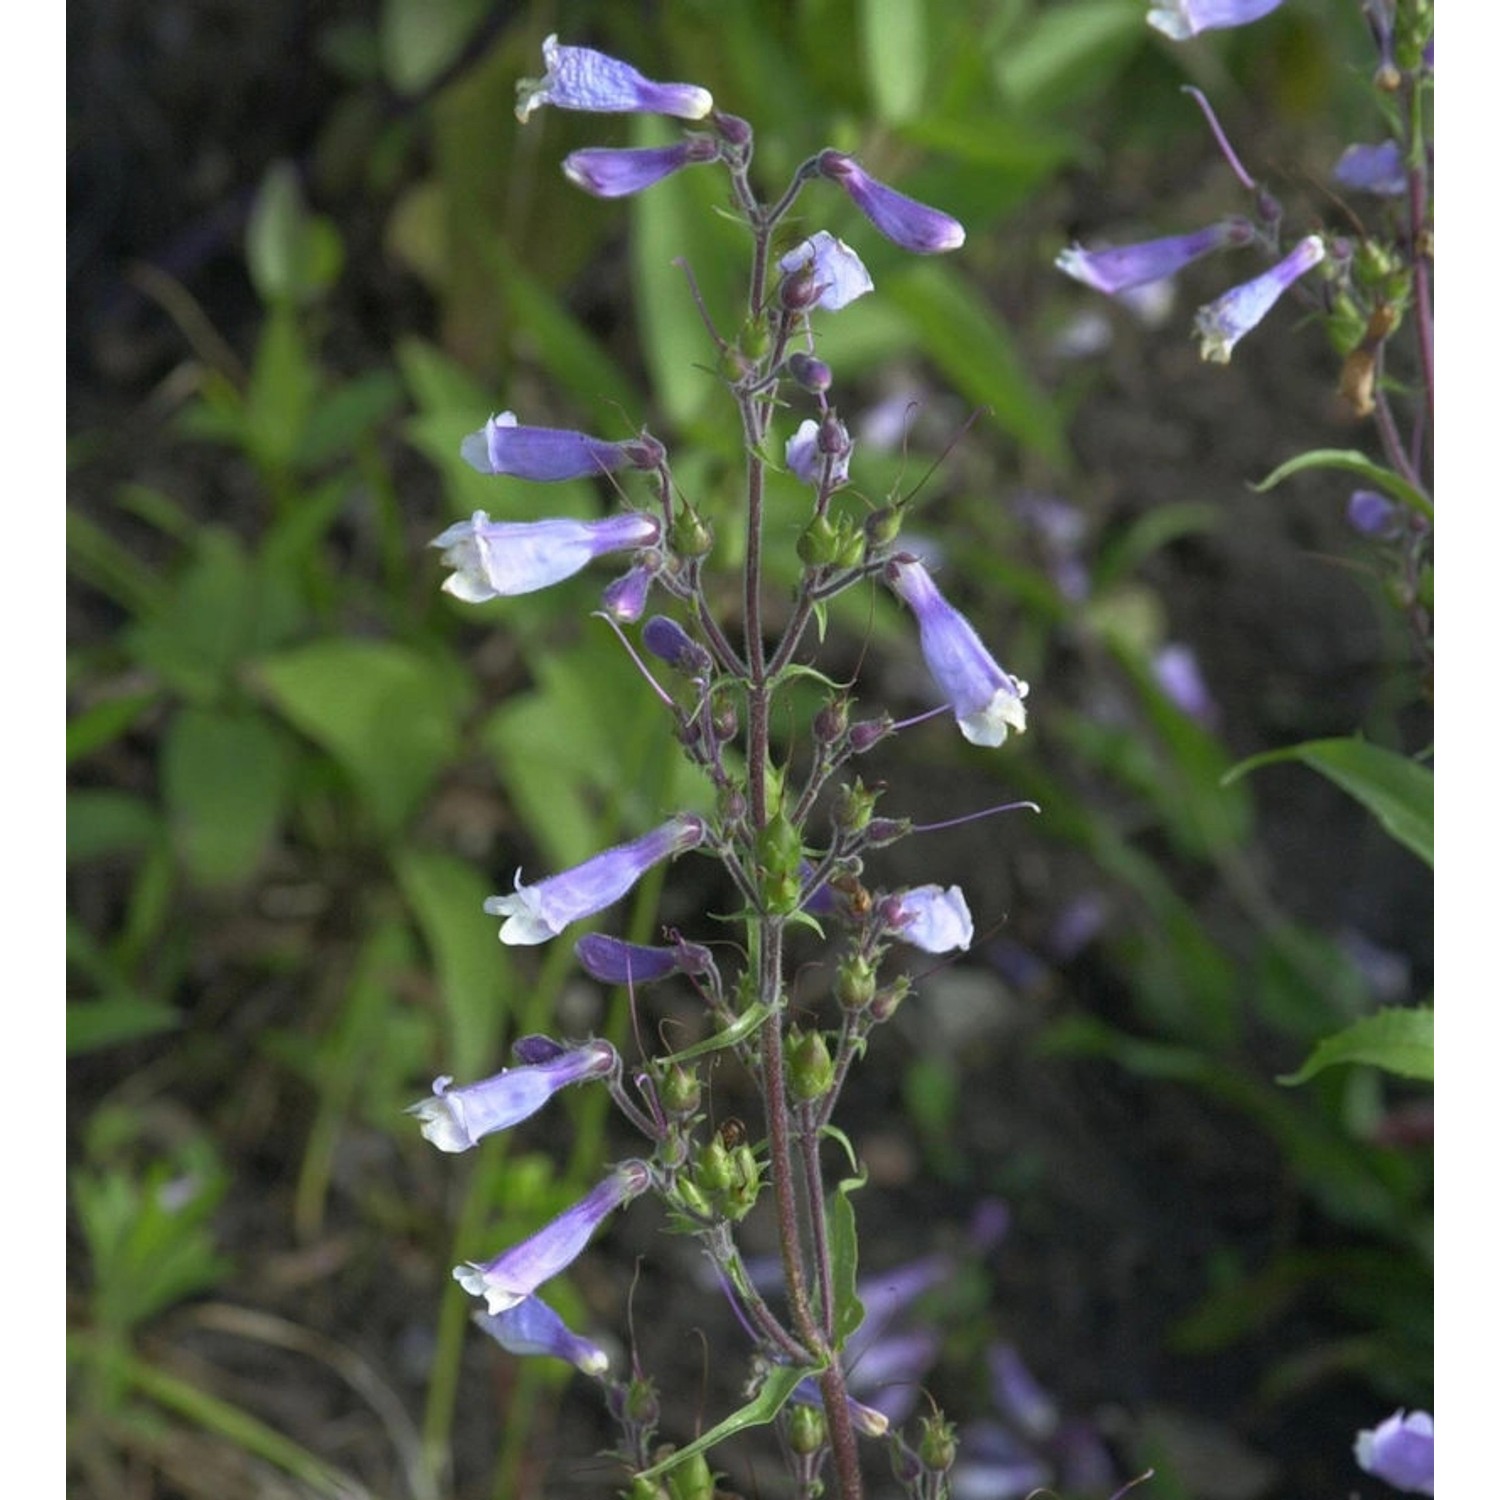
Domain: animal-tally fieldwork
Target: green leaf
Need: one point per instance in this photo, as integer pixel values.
(420, 38)
(1355, 463)
(103, 821)
(1068, 51)
(386, 713)
(843, 1245)
(1397, 789)
(284, 383)
(893, 49)
(1398, 1039)
(773, 1395)
(292, 255)
(120, 1017)
(744, 1026)
(224, 779)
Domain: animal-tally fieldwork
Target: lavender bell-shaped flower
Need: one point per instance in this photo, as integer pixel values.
(1181, 19)
(535, 913)
(912, 225)
(532, 1327)
(1400, 1451)
(500, 559)
(986, 699)
(580, 78)
(837, 275)
(1129, 266)
(515, 1274)
(611, 172)
(1222, 324)
(1372, 169)
(456, 1119)
(805, 453)
(547, 454)
(610, 960)
(930, 918)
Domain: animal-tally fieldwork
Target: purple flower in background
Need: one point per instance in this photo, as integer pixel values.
(993, 1464)
(1371, 514)
(1181, 19)
(986, 699)
(580, 78)
(609, 172)
(1017, 1396)
(535, 913)
(515, 1274)
(495, 559)
(1180, 678)
(1399, 1451)
(610, 960)
(837, 273)
(912, 225)
(531, 1327)
(1119, 270)
(551, 453)
(455, 1119)
(805, 455)
(1372, 169)
(1222, 324)
(930, 918)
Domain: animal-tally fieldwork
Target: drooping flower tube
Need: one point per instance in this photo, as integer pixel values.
(624, 600)
(532, 1327)
(1181, 19)
(535, 913)
(665, 639)
(1223, 323)
(836, 275)
(1372, 169)
(930, 918)
(456, 1119)
(611, 960)
(617, 172)
(806, 451)
(500, 559)
(1129, 266)
(985, 698)
(912, 225)
(515, 1274)
(580, 78)
(1400, 1451)
(547, 454)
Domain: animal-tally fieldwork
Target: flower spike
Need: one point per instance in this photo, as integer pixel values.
(535, 913)
(456, 1119)
(985, 698)
(580, 78)
(1222, 324)
(500, 559)
(912, 225)
(514, 1275)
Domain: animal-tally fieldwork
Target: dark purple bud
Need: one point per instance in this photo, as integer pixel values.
(912, 225)
(669, 642)
(810, 373)
(868, 733)
(733, 129)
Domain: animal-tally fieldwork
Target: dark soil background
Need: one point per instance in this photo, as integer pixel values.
(1128, 1196)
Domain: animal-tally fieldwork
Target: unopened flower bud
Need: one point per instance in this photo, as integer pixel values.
(868, 733)
(888, 1001)
(692, 536)
(713, 1171)
(745, 1188)
(809, 1068)
(852, 807)
(693, 1198)
(681, 1092)
(818, 546)
(882, 831)
(810, 373)
(723, 715)
(669, 642)
(733, 129)
(938, 1445)
(883, 526)
(854, 984)
(807, 1430)
(832, 721)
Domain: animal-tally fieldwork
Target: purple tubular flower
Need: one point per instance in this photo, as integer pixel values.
(1017, 1396)
(500, 559)
(1129, 266)
(838, 274)
(1371, 514)
(890, 1370)
(1181, 19)
(551, 453)
(1399, 1451)
(666, 640)
(531, 1327)
(535, 913)
(625, 599)
(607, 172)
(986, 699)
(515, 1274)
(930, 918)
(456, 1119)
(1222, 324)
(580, 78)
(884, 1295)
(612, 961)
(1372, 169)
(1179, 676)
(912, 225)
(805, 455)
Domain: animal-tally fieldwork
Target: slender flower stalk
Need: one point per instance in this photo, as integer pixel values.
(535, 913)
(1129, 266)
(912, 225)
(986, 700)
(548, 454)
(515, 1274)
(532, 1327)
(580, 78)
(1222, 324)
(456, 1119)
(501, 559)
